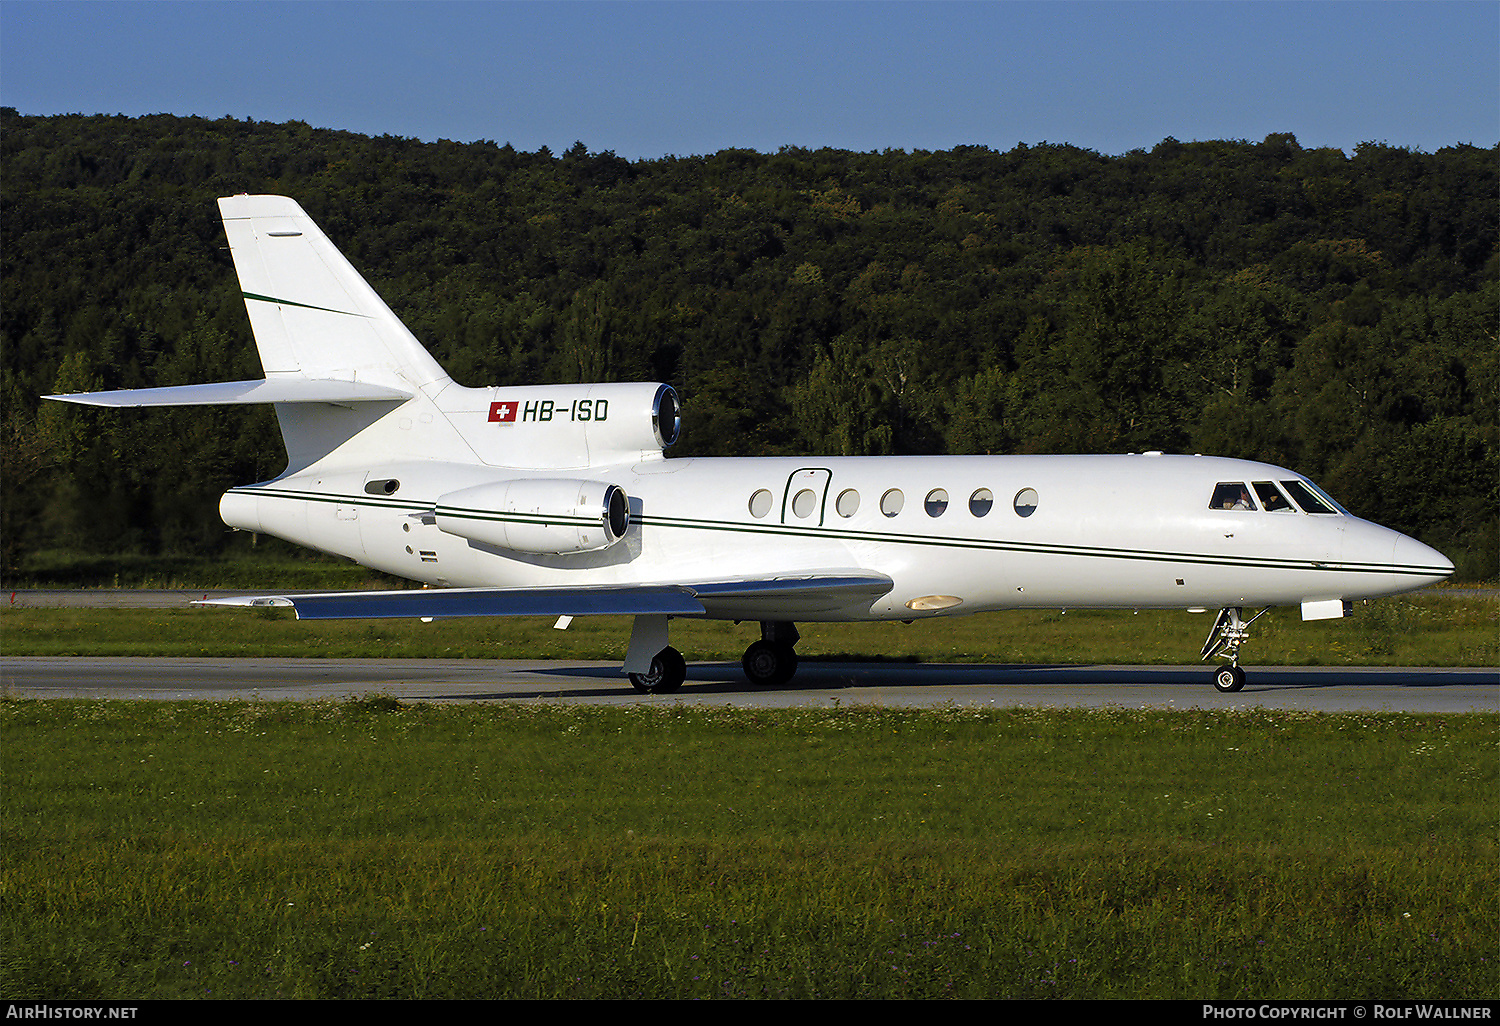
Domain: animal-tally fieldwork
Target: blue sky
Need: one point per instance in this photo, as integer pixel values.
(647, 79)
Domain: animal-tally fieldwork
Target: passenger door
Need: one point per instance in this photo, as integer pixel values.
(806, 497)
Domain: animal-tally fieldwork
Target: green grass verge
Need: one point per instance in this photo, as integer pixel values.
(370, 849)
(281, 566)
(1433, 629)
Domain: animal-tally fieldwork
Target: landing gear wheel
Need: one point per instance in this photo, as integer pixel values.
(767, 664)
(668, 671)
(1229, 679)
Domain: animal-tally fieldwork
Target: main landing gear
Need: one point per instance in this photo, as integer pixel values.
(772, 660)
(1230, 631)
(768, 662)
(668, 671)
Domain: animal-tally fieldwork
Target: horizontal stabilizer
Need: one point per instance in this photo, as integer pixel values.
(269, 390)
(800, 594)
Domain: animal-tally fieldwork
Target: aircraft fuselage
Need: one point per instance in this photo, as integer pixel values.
(955, 534)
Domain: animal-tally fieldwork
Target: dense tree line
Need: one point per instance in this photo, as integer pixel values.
(1335, 314)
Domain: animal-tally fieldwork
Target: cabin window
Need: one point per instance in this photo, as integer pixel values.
(804, 503)
(1311, 499)
(760, 504)
(891, 502)
(1025, 502)
(1271, 500)
(847, 504)
(937, 502)
(1231, 495)
(981, 502)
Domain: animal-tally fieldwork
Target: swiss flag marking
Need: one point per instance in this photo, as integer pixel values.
(503, 413)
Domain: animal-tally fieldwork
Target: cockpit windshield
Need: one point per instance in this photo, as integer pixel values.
(1275, 497)
(1231, 495)
(1271, 500)
(1311, 498)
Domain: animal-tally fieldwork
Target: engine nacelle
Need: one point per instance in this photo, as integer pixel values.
(564, 427)
(539, 516)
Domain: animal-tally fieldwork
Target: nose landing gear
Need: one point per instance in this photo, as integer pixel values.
(1229, 678)
(1230, 631)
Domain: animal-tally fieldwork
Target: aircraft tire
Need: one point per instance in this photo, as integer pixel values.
(1229, 679)
(768, 664)
(668, 671)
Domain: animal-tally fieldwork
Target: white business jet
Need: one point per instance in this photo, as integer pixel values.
(556, 500)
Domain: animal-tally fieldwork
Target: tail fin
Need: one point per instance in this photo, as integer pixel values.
(336, 358)
(312, 314)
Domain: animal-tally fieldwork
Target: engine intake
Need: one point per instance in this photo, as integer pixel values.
(539, 516)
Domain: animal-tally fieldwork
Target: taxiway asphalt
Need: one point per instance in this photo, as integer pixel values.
(828, 684)
(817, 684)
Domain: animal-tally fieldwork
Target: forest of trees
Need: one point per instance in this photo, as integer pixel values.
(1334, 314)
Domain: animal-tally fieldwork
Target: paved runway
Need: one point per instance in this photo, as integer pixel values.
(825, 684)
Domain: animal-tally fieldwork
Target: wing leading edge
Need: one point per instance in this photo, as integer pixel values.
(768, 598)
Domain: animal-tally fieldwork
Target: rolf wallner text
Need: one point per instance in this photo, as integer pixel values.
(1415, 1010)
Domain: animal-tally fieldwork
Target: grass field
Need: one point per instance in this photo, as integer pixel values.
(370, 849)
(373, 849)
(1430, 629)
(276, 565)
(1421, 630)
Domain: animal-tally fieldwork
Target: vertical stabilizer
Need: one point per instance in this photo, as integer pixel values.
(313, 315)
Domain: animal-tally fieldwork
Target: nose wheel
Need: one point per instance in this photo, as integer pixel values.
(1230, 631)
(1229, 679)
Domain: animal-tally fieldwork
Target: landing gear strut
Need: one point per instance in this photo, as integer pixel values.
(1224, 641)
(772, 660)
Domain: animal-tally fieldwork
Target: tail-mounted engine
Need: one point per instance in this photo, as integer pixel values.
(543, 517)
(564, 427)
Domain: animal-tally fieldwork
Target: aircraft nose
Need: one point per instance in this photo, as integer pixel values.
(1423, 560)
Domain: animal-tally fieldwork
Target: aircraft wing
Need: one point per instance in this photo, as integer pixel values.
(792, 597)
(760, 598)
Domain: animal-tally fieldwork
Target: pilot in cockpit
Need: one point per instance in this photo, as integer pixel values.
(1232, 495)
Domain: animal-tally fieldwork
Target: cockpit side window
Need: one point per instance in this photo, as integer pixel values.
(1310, 500)
(1231, 495)
(1271, 499)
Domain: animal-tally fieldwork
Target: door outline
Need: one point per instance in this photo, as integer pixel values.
(818, 480)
